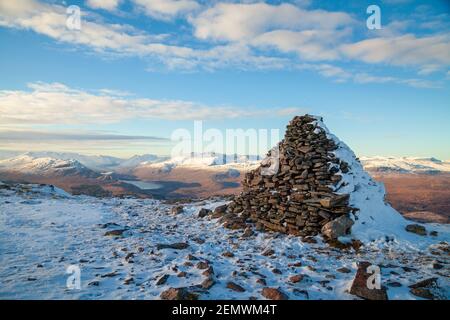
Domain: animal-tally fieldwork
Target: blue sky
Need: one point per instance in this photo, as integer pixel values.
(139, 69)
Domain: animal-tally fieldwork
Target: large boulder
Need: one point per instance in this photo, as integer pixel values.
(337, 227)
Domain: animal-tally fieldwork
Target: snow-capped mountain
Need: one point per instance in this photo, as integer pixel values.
(94, 162)
(46, 166)
(137, 160)
(405, 165)
(203, 160)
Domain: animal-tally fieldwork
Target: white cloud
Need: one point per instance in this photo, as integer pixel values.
(50, 20)
(56, 103)
(244, 36)
(109, 5)
(402, 50)
(166, 9)
(238, 22)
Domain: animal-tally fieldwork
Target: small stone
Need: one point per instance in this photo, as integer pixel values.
(208, 272)
(202, 265)
(235, 287)
(343, 270)
(247, 233)
(176, 246)
(276, 271)
(261, 281)
(115, 233)
(268, 252)
(204, 212)
(417, 229)
(296, 278)
(273, 294)
(129, 257)
(208, 283)
(182, 274)
(228, 254)
(177, 210)
(178, 294)
(127, 281)
(162, 280)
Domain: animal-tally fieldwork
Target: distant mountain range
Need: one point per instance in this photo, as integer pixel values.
(416, 186)
(405, 165)
(71, 163)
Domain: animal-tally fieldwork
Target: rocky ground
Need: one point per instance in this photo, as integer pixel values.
(146, 249)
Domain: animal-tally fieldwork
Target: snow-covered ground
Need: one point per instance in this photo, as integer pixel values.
(44, 230)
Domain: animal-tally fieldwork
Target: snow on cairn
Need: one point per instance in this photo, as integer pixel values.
(375, 219)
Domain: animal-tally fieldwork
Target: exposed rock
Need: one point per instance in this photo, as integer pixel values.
(177, 210)
(343, 270)
(191, 257)
(277, 271)
(204, 212)
(417, 229)
(235, 287)
(208, 283)
(273, 294)
(202, 265)
(115, 233)
(337, 227)
(176, 246)
(247, 233)
(360, 285)
(268, 252)
(208, 272)
(228, 254)
(178, 294)
(162, 280)
(427, 289)
(219, 211)
(296, 278)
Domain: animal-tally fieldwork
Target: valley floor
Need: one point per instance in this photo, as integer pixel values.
(43, 231)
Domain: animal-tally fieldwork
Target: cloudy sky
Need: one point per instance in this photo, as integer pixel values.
(137, 70)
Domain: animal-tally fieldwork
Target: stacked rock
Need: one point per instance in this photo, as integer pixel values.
(293, 189)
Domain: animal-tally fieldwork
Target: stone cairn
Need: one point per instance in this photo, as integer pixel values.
(297, 198)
